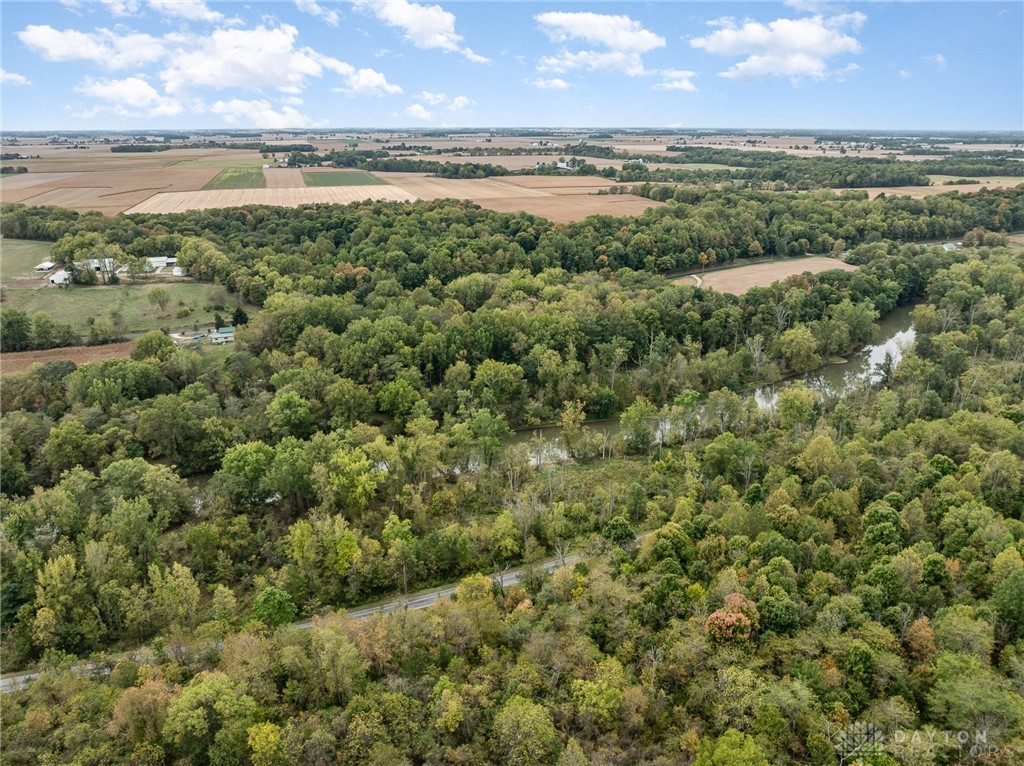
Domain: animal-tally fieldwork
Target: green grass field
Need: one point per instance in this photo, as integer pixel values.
(18, 257)
(77, 304)
(342, 178)
(238, 178)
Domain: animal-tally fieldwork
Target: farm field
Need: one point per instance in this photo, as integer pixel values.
(79, 304)
(919, 192)
(739, 279)
(18, 257)
(176, 202)
(317, 178)
(108, 191)
(282, 178)
(238, 178)
(20, 361)
(566, 208)
(982, 180)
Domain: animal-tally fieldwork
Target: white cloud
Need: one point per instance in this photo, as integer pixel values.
(258, 113)
(431, 98)
(937, 60)
(314, 9)
(617, 33)
(102, 46)
(12, 78)
(261, 58)
(425, 26)
(623, 39)
(788, 47)
(121, 7)
(905, 73)
(75, 6)
(458, 103)
(190, 10)
(130, 97)
(418, 112)
(368, 82)
(677, 79)
(554, 83)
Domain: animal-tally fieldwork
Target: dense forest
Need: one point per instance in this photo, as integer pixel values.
(756, 585)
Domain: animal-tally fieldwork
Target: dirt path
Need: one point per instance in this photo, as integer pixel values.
(21, 360)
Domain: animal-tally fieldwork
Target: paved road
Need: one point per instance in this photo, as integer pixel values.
(416, 601)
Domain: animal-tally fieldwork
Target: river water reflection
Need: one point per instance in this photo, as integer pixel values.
(895, 334)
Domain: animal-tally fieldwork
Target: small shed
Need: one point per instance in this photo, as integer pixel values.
(45, 266)
(60, 277)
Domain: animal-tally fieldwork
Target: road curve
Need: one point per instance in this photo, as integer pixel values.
(416, 601)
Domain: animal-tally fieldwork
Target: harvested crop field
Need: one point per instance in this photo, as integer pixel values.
(739, 279)
(918, 192)
(177, 202)
(426, 187)
(283, 178)
(20, 361)
(551, 183)
(107, 191)
(566, 208)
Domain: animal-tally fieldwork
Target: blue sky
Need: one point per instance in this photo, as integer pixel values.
(126, 64)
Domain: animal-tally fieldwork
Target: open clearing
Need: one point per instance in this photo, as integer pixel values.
(20, 361)
(238, 178)
(739, 279)
(18, 257)
(77, 305)
(340, 178)
(177, 202)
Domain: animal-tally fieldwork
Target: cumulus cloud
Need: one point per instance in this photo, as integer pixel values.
(121, 7)
(458, 103)
(553, 83)
(794, 48)
(259, 113)
(260, 58)
(130, 97)
(314, 9)
(677, 79)
(425, 26)
(365, 82)
(190, 10)
(12, 78)
(101, 46)
(418, 112)
(618, 33)
(904, 73)
(431, 98)
(937, 60)
(620, 42)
